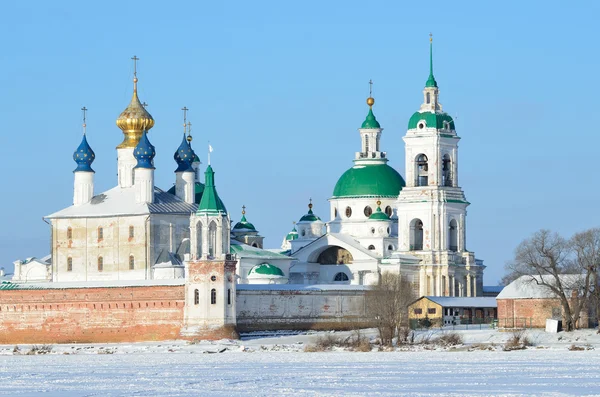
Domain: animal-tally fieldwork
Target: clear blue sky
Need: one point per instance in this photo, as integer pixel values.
(279, 89)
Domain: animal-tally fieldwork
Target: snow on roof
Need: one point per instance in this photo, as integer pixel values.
(447, 301)
(92, 284)
(525, 287)
(122, 201)
(300, 287)
(246, 251)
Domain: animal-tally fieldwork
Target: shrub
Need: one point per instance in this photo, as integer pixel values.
(43, 349)
(517, 341)
(449, 339)
(576, 348)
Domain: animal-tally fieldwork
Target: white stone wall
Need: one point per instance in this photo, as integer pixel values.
(287, 308)
(152, 233)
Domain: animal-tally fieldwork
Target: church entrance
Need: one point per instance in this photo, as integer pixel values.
(335, 255)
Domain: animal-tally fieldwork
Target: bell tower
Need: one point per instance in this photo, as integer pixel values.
(432, 208)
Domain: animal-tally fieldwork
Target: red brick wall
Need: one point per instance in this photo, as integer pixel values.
(91, 314)
(525, 312)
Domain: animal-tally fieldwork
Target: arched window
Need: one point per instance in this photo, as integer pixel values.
(213, 296)
(199, 239)
(335, 213)
(100, 234)
(348, 212)
(69, 233)
(428, 97)
(453, 236)
(421, 171)
(390, 247)
(366, 143)
(131, 231)
(255, 245)
(371, 247)
(131, 262)
(416, 235)
(341, 277)
(100, 264)
(69, 264)
(229, 296)
(368, 211)
(388, 211)
(212, 239)
(335, 255)
(446, 170)
(196, 297)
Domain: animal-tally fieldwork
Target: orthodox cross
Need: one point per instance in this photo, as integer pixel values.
(430, 37)
(370, 88)
(135, 59)
(243, 209)
(84, 109)
(144, 104)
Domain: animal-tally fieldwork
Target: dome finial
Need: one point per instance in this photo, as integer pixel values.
(431, 80)
(185, 109)
(135, 79)
(310, 205)
(84, 110)
(189, 132)
(243, 210)
(370, 100)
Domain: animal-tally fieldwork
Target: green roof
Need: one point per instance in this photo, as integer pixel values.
(293, 235)
(267, 270)
(310, 217)
(247, 251)
(372, 180)
(244, 224)
(370, 121)
(379, 215)
(199, 191)
(210, 202)
(432, 120)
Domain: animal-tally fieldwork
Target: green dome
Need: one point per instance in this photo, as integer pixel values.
(199, 191)
(432, 120)
(379, 215)
(293, 235)
(244, 224)
(266, 269)
(310, 217)
(373, 180)
(370, 121)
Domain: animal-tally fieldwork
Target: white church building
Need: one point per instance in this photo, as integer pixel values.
(379, 221)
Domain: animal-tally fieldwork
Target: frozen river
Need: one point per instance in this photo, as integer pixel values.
(189, 373)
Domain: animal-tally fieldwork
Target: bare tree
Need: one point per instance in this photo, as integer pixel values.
(562, 266)
(387, 304)
(587, 258)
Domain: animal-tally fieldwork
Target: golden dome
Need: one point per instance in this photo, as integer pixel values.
(134, 120)
(370, 101)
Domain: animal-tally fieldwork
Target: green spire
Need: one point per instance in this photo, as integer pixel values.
(370, 121)
(431, 80)
(379, 215)
(211, 202)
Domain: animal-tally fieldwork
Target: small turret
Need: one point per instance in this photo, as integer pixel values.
(144, 154)
(83, 188)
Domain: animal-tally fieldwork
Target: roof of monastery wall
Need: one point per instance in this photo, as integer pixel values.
(526, 287)
(91, 284)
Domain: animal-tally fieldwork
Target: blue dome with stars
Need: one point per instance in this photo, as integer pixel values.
(84, 156)
(184, 156)
(144, 153)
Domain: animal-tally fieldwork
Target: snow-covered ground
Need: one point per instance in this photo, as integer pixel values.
(278, 366)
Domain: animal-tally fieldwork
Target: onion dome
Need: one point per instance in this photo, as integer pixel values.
(84, 156)
(184, 156)
(310, 216)
(379, 215)
(243, 224)
(134, 120)
(266, 269)
(144, 153)
(371, 180)
(293, 235)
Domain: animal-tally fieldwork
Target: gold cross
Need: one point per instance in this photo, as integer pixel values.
(135, 59)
